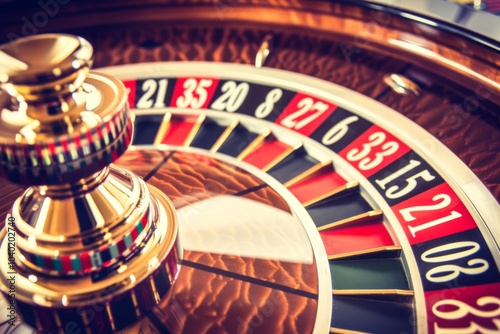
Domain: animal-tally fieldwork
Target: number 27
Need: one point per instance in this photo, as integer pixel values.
(305, 106)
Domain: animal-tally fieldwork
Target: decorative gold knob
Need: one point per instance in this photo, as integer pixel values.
(87, 232)
(45, 66)
(60, 141)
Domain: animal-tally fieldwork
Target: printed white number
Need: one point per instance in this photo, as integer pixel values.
(150, 87)
(394, 191)
(376, 139)
(445, 201)
(233, 96)
(448, 272)
(338, 130)
(305, 105)
(265, 108)
(191, 88)
(383, 183)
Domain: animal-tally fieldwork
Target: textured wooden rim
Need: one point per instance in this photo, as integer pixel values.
(388, 32)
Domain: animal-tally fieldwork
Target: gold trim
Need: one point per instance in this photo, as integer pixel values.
(282, 156)
(336, 330)
(164, 127)
(194, 130)
(38, 324)
(371, 292)
(327, 168)
(57, 319)
(224, 136)
(352, 186)
(401, 84)
(363, 252)
(110, 316)
(254, 144)
(266, 46)
(308, 173)
(153, 288)
(362, 218)
(136, 305)
(85, 320)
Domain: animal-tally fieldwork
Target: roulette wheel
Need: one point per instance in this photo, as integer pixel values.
(333, 165)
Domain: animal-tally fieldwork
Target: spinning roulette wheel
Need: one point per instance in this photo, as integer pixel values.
(333, 165)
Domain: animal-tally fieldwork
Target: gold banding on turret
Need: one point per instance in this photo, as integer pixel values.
(95, 247)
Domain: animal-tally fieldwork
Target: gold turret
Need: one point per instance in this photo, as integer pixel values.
(92, 245)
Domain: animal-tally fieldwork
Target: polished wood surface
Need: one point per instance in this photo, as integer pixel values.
(365, 27)
(458, 78)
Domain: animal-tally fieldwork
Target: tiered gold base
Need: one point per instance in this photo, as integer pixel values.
(105, 299)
